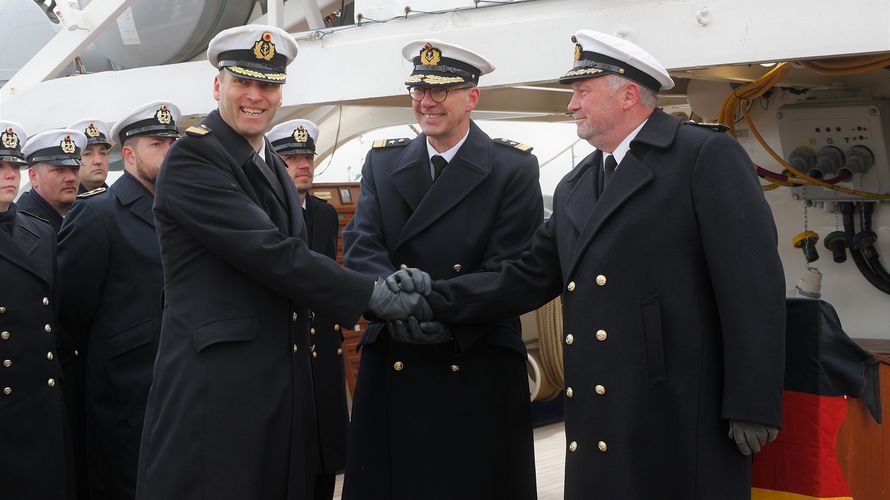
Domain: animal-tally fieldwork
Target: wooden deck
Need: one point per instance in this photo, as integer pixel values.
(549, 458)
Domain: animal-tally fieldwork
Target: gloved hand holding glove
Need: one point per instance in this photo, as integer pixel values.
(389, 301)
(751, 436)
(413, 332)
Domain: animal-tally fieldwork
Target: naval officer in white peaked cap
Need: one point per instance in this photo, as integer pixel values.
(54, 157)
(230, 412)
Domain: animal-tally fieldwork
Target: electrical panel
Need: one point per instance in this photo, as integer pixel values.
(838, 140)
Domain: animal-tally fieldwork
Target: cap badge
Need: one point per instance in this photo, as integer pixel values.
(92, 131)
(9, 138)
(68, 145)
(429, 55)
(301, 134)
(264, 49)
(163, 115)
(577, 52)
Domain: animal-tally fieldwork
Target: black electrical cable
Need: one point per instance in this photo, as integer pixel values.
(861, 264)
(870, 252)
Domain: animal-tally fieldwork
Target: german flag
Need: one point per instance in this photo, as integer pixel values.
(823, 366)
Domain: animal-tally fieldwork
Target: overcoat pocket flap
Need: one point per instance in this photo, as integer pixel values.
(652, 335)
(225, 330)
(130, 339)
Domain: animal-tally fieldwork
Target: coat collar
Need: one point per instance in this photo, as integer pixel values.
(469, 167)
(19, 248)
(42, 208)
(632, 175)
(133, 195)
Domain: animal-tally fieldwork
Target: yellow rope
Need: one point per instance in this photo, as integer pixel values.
(549, 319)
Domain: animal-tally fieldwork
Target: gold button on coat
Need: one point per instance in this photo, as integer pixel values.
(403, 266)
(601, 335)
(7, 363)
(4, 335)
(602, 446)
(76, 354)
(570, 339)
(294, 316)
(455, 368)
(47, 328)
(314, 354)
(296, 348)
(312, 331)
(456, 267)
(573, 446)
(571, 286)
(45, 301)
(569, 392)
(7, 390)
(51, 382)
(398, 365)
(336, 327)
(600, 389)
(2, 310)
(49, 356)
(600, 280)
(339, 351)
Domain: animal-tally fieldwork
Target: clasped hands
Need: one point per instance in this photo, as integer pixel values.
(399, 300)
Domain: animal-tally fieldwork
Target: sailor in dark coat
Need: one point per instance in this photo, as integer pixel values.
(94, 171)
(672, 289)
(231, 411)
(54, 177)
(35, 459)
(443, 414)
(110, 270)
(295, 141)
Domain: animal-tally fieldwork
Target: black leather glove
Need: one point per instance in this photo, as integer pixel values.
(389, 304)
(412, 331)
(751, 436)
(410, 280)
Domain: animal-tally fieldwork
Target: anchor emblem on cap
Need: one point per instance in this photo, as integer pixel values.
(264, 49)
(92, 131)
(68, 145)
(10, 139)
(163, 115)
(301, 134)
(577, 52)
(430, 55)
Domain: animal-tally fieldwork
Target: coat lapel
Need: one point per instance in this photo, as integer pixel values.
(411, 176)
(582, 197)
(291, 200)
(20, 251)
(134, 196)
(464, 173)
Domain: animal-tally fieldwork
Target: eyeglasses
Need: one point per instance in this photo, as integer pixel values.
(437, 94)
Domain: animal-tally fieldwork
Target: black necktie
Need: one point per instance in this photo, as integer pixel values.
(609, 167)
(439, 164)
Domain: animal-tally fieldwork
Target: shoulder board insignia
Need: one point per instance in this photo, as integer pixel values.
(390, 143)
(198, 130)
(35, 216)
(716, 127)
(525, 148)
(92, 192)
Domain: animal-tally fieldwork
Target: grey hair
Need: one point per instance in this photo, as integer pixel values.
(648, 97)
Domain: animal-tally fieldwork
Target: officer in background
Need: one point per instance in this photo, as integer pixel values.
(665, 252)
(53, 173)
(34, 447)
(295, 141)
(442, 411)
(230, 412)
(112, 281)
(94, 170)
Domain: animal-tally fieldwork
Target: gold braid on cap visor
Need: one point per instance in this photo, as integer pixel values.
(434, 79)
(256, 74)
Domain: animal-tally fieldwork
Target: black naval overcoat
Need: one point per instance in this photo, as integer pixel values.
(453, 420)
(35, 459)
(674, 315)
(111, 279)
(231, 411)
(32, 202)
(326, 345)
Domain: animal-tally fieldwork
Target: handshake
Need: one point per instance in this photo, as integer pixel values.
(399, 300)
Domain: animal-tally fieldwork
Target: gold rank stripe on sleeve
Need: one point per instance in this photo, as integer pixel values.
(389, 143)
(197, 131)
(92, 192)
(525, 148)
(717, 127)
